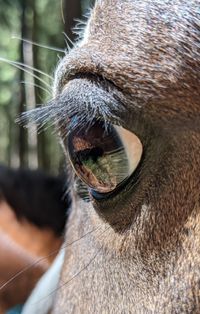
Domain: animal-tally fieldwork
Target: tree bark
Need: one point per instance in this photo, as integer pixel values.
(42, 149)
(23, 145)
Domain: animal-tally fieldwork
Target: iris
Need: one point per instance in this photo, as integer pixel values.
(103, 155)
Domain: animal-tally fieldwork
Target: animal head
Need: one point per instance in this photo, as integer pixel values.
(132, 85)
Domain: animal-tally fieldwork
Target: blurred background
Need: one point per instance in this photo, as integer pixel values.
(34, 35)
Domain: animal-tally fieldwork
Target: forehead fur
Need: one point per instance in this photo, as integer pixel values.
(149, 51)
(141, 46)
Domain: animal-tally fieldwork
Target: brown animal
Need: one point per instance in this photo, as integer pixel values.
(137, 66)
(33, 212)
(22, 244)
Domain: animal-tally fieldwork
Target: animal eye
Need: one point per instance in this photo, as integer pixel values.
(104, 156)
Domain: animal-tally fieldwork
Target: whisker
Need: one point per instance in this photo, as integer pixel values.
(68, 46)
(67, 282)
(39, 45)
(62, 11)
(36, 85)
(9, 281)
(68, 39)
(26, 66)
(75, 275)
(24, 69)
(78, 273)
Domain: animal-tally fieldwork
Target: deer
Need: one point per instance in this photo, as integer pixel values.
(126, 104)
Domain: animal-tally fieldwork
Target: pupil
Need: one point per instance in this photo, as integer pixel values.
(98, 156)
(93, 153)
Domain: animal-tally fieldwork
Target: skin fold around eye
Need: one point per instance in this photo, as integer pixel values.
(104, 156)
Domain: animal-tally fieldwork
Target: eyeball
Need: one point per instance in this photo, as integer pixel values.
(104, 156)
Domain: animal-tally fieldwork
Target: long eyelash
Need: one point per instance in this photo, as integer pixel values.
(81, 189)
(87, 103)
(39, 116)
(38, 44)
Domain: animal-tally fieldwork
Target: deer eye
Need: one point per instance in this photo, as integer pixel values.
(103, 156)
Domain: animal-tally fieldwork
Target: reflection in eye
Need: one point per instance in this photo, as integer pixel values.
(103, 156)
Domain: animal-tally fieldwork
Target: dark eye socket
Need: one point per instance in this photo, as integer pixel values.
(103, 156)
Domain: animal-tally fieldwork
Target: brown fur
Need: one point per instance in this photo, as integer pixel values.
(22, 244)
(144, 254)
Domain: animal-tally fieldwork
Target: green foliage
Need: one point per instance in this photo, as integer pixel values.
(43, 24)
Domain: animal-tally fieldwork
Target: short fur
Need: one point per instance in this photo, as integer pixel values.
(139, 66)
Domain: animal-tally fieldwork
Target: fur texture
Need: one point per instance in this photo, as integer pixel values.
(138, 66)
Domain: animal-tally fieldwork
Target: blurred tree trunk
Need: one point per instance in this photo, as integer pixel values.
(23, 145)
(71, 11)
(29, 87)
(42, 145)
(34, 149)
(11, 148)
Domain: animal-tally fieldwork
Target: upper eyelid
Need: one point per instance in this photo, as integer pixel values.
(86, 101)
(82, 60)
(89, 101)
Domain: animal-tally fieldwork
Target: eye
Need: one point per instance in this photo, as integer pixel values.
(104, 156)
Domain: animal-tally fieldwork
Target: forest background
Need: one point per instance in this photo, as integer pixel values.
(34, 34)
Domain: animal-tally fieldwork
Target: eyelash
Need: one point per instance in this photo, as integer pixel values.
(82, 190)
